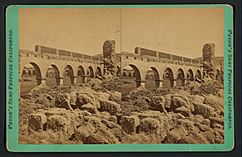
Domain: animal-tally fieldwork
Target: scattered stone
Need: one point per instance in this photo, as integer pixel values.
(112, 107)
(205, 110)
(130, 123)
(37, 121)
(150, 126)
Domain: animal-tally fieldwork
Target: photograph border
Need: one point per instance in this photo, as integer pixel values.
(12, 90)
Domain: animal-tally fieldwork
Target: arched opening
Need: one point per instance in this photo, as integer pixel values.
(98, 71)
(190, 75)
(52, 76)
(130, 83)
(152, 80)
(90, 72)
(80, 75)
(168, 78)
(29, 80)
(68, 75)
(180, 79)
(199, 74)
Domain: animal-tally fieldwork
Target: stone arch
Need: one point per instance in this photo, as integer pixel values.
(199, 74)
(68, 75)
(99, 71)
(137, 75)
(52, 76)
(37, 71)
(90, 72)
(80, 78)
(156, 76)
(168, 78)
(190, 75)
(27, 83)
(180, 78)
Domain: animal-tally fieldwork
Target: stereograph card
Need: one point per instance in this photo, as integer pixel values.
(119, 78)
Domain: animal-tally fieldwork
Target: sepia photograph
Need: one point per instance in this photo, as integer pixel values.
(121, 75)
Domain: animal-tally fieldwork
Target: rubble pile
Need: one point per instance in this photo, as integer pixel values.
(96, 113)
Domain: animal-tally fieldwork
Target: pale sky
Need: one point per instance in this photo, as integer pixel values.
(181, 31)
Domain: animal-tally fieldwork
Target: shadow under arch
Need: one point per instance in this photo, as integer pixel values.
(80, 75)
(68, 75)
(152, 78)
(198, 74)
(98, 71)
(180, 78)
(168, 78)
(137, 75)
(90, 72)
(190, 75)
(53, 76)
(37, 72)
(28, 81)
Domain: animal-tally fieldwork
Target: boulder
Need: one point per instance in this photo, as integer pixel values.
(63, 101)
(130, 123)
(220, 93)
(115, 96)
(37, 121)
(90, 108)
(216, 102)
(112, 107)
(205, 110)
(183, 110)
(57, 123)
(158, 103)
(150, 126)
(196, 99)
(168, 100)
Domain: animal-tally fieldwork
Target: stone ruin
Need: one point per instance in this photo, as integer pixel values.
(209, 68)
(110, 63)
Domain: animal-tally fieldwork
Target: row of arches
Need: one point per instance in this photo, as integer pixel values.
(167, 77)
(53, 77)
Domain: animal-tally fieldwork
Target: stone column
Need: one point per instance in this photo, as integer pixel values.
(43, 81)
(74, 79)
(161, 83)
(174, 83)
(61, 80)
(140, 83)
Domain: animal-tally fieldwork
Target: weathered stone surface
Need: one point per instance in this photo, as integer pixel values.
(167, 101)
(37, 121)
(196, 99)
(63, 101)
(205, 110)
(183, 110)
(150, 125)
(90, 108)
(158, 103)
(57, 123)
(215, 102)
(115, 96)
(221, 93)
(112, 107)
(130, 123)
